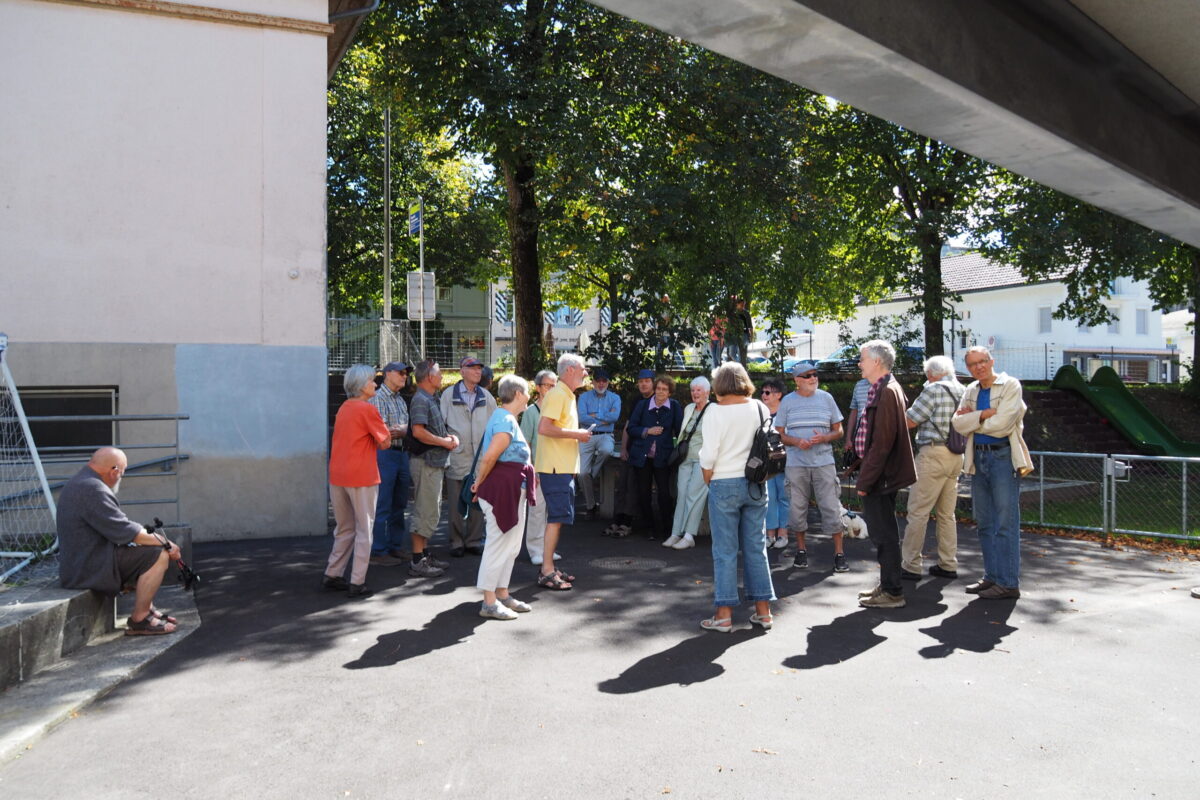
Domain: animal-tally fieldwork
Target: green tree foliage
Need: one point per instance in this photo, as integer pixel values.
(463, 233)
(907, 195)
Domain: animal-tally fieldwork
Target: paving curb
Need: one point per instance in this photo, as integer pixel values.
(32, 709)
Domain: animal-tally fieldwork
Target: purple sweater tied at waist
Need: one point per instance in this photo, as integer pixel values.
(502, 489)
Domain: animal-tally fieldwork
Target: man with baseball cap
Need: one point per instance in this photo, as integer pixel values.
(390, 542)
(599, 411)
(467, 409)
(808, 421)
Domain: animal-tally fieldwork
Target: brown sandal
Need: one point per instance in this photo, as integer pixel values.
(553, 581)
(150, 626)
(158, 613)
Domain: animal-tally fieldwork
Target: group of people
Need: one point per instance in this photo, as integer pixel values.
(507, 467)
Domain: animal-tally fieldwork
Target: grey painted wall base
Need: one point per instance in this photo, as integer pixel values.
(256, 436)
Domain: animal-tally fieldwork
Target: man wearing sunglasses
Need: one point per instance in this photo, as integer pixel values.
(809, 421)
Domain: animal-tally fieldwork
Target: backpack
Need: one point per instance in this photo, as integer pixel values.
(767, 454)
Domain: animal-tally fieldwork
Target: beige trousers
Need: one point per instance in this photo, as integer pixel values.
(427, 497)
(354, 513)
(936, 490)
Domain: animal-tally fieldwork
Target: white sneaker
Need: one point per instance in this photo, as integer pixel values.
(780, 542)
(496, 611)
(513, 604)
(535, 560)
(672, 541)
(684, 543)
(557, 556)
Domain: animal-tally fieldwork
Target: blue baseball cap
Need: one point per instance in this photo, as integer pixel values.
(600, 374)
(645, 373)
(395, 366)
(803, 367)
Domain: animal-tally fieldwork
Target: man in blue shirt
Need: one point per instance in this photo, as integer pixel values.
(599, 410)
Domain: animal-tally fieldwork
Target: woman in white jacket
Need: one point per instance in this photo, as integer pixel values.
(736, 509)
(991, 414)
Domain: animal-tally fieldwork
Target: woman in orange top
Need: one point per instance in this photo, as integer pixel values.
(358, 431)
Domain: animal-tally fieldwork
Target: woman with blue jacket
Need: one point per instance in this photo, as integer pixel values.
(653, 427)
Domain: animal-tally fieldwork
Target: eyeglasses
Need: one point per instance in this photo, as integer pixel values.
(807, 375)
(973, 365)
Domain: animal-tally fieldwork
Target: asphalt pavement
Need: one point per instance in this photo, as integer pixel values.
(1085, 687)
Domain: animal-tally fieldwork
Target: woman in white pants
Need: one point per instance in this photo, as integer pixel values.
(504, 485)
(691, 492)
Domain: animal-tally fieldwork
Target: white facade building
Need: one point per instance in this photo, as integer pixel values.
(164, 234)
(1014, 317)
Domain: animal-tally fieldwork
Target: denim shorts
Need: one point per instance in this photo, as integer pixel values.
(559, 491)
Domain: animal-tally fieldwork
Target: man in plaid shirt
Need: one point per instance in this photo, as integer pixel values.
(937, 472)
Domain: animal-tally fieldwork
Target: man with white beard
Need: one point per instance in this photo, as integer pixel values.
(94, 537)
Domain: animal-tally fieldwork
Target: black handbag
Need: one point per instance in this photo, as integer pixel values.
(681, 450)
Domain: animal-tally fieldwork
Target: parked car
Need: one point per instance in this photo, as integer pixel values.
(843, 363)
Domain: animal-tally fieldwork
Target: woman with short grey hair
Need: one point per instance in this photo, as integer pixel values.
(535, 521)
(691, 490)
(504, 483)
(358, 432)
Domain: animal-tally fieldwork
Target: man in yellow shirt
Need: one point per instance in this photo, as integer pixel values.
(557, 461)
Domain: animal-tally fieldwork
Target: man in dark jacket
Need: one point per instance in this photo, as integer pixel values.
(885, 467)
(94, 537)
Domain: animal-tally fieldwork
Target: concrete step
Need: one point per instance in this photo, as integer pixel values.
(30, 710)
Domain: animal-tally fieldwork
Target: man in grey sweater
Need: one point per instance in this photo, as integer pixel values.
(94, 537)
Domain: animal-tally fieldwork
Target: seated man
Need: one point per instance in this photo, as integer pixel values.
(94, 537)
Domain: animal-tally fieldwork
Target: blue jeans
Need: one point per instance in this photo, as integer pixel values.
(395, 480)
(778, 504)
(736, 519)
(996, 497)
(716, 348)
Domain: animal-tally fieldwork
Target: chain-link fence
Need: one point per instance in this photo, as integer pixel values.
(1134, 494)
(376, 342)
(1131, 494)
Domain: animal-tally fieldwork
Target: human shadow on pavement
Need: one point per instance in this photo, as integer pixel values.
(979, 627)
(691, 661)
(854, 634)
(445, 630)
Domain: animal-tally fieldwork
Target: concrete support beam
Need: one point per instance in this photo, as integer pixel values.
(1009, 82)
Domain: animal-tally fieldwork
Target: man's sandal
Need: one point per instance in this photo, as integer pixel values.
(150, 626)
(158, 613)
(553, 581)
(565, 576)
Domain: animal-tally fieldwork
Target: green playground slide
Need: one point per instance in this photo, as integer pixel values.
(1107, 393)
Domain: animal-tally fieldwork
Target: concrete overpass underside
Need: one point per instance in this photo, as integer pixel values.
(1096, 98)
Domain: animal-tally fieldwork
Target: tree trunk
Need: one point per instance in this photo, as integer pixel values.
(523, 224)
(933, 293)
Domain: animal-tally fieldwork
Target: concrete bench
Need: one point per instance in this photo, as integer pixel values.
(41, 623)
(606, 492)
